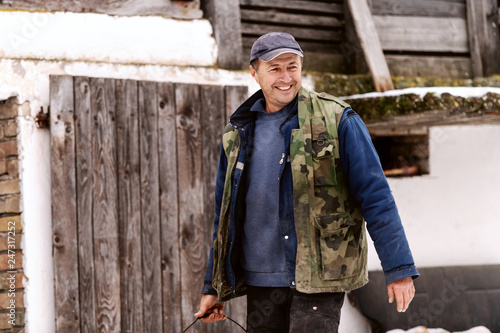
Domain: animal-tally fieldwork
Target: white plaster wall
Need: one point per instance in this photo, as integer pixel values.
(452, 216)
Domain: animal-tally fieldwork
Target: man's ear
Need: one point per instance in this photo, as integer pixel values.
(253, 72)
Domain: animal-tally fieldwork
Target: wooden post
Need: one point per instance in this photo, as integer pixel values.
(370, 44)
(473, 9)
(226, 20)
(484, 41)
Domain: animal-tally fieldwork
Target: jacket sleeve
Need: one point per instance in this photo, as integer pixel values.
(369, 187)
(219, 189)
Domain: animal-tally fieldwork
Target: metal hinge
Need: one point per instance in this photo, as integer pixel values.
(42, 119)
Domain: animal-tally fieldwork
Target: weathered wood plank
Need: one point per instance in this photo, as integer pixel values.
(129, 205)
(235, 96)
(370, 43)
(170, 256)
(298, 33)
(225, 18)
(105, 207)
(64, 213)
(483, 35)
(191, 221)
(306, 46)
(177, 9)
(84, 163)
(422, 34)
(428, 66)
(433, 8)
(150, 207)
(251, 15)
(473, 33)
(303, 6)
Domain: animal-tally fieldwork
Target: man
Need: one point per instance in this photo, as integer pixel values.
(298, 176)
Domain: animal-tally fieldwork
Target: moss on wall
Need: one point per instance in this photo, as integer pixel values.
(345, 85)
(379, 108)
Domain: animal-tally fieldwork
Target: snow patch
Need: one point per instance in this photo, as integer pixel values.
(464, 92)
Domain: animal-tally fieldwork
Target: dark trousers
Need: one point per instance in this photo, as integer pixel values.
(285, 310)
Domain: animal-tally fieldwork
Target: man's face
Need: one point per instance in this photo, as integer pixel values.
(280, 80)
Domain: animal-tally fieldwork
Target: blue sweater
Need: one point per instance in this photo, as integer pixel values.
(263, 259)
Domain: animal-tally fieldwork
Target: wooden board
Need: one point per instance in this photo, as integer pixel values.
(297, 32)
(303, 6)
(129, 205)
(84, 185)
(433, 8)
(429, 66)
(369, 40)
(64, 211)
(150, 207)
(252, 15)
(169, 210)
(105, 206)
(422, 34)
(177, 9)
(192, 230)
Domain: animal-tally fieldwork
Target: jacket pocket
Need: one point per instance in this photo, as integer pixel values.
(323, 161)
(338, 252)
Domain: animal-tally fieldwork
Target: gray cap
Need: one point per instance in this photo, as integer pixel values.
(273, 44)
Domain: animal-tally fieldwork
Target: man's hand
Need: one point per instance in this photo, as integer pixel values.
(403, 291)
(209, 305)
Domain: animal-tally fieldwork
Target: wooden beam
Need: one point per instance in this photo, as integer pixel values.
(370, 44)
(225, 18)
(473, 33)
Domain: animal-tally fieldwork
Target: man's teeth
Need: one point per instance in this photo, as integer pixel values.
(284, 88)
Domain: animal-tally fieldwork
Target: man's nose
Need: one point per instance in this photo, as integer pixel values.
(286, 77)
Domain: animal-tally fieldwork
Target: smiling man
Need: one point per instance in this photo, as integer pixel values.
(298, 180)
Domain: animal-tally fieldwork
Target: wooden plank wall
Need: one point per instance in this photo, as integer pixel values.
(433, 38)
(133, 175)
(317, 25)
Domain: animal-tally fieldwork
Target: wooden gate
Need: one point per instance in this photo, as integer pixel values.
(133, 172)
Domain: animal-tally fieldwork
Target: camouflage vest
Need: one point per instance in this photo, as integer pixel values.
(331, 236)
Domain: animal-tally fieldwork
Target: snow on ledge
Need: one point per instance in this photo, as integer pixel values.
(464, 92)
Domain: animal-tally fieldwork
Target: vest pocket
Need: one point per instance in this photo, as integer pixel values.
(323, 162)
(337, 255)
